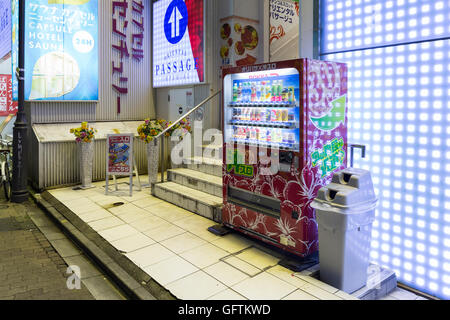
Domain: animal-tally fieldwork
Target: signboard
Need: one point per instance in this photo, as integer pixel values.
(178, 42)
(15, 47)
(5, 27)
(61, 46)
(7, 105)
(119, 154)
(284, 29)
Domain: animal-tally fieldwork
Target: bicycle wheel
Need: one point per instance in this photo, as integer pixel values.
(7, 182)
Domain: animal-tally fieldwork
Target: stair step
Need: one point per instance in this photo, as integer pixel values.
(197, 180)
(206, 165)
(199, 202)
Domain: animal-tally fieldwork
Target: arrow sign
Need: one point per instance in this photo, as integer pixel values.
(334, 118)
(175, 22)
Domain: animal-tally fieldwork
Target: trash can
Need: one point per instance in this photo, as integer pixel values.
(345, 211)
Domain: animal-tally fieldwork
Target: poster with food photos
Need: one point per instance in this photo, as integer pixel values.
(240, 41)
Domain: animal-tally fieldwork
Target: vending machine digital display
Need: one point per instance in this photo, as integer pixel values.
(285, 132)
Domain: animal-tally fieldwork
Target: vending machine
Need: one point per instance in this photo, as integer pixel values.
(285, 133)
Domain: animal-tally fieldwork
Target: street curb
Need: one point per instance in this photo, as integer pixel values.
(133, 289)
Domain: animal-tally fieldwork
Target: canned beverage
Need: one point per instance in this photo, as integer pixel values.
(285, 115)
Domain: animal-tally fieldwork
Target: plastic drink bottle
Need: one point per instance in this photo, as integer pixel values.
(279, 90)
(274, 91)
(239, 93)
(235, 92)
(268, 92)
(258, 91)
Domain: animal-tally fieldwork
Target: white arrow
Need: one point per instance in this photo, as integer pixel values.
(174, 20)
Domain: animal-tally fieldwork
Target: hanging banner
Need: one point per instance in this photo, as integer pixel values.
(61, 46)
(7, 105)
(119, 160)
(5, 27)
(284, 30)
(178, 42)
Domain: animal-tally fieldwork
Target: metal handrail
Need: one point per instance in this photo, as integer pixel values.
(174, 124)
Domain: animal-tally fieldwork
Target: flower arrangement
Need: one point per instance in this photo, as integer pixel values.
(83, 133)
(180, 128)
(150, 129)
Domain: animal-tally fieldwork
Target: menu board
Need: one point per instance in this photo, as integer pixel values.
(119, 159)
(61, 46)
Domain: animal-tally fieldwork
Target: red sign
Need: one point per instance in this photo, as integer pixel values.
(120, 151)
(7, 106)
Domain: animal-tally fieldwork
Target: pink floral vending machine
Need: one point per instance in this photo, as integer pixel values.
(285, 132)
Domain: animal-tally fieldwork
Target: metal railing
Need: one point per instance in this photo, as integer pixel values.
(162, 134)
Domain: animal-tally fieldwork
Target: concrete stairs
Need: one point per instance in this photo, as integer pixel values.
(196, 186)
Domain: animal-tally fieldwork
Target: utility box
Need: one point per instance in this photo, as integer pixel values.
(345, 211)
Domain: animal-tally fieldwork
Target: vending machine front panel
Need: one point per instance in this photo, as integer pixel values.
(284, 134)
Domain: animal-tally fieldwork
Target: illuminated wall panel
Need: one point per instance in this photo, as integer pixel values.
(399, 108)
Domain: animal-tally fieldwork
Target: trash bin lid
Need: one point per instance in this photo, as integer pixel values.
(351, 190)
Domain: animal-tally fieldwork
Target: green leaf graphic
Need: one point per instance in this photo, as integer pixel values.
(333, 119)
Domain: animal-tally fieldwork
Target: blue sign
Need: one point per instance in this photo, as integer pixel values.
(61, 49)
(176, 21)
(5, 27)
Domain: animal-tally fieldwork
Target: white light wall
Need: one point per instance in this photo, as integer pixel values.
(399, 108)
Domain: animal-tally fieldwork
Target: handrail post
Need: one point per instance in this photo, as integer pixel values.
(162, 158)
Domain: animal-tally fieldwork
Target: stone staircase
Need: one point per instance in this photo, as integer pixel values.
(196, 186)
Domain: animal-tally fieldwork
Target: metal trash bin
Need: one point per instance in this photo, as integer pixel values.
(345, 211)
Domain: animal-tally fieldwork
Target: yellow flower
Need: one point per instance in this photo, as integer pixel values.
(84, 125)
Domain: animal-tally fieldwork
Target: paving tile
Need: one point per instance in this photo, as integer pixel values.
(207, 235)
(164, 232)
(317, 283)
(41, 220)
(299, 295)
(204, 255)
(123, 209)
(52, 232)
(226, 273)
(205, 287)
(146, 202)
(232, 243)
(319, 293)
(402, 294)
(227, 295)
(286, 275)
(264, 286)
(95, 215)
(170, 270)
(258, 258)
(132, 243)
(118, 232)
(133, 216)
(66, 194)
(148, 223)
(81, 206)
(194, 223)
(102, 289)
(242, 266)
(87, 269)
(183, 242)
(104, 200)
(105, 223)
(65, 248)
(171, 214)
(150, 255)
(344, 295)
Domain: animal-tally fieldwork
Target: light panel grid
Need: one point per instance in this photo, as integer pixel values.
(399, 108)
(355, 24)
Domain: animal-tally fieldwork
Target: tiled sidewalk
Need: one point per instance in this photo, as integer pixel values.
(174, 247)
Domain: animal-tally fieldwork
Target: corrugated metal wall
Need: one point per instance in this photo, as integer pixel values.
(59, 163)
(136, 105)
